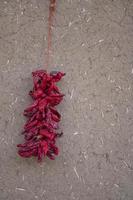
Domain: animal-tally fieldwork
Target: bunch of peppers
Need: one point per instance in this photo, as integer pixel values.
(41, 129)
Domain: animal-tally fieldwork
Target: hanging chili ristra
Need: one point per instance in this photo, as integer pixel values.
(41, 130)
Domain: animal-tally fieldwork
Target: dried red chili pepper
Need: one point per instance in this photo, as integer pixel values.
(40, 131)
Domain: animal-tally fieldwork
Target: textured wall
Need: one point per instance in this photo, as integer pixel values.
(93, 44)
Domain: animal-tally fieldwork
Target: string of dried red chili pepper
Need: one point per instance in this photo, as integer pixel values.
(41, 130)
